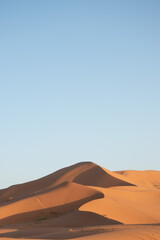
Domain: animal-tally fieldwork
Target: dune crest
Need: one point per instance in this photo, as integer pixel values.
(79, 196)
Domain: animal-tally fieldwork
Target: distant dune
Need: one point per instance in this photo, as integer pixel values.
(83, 201)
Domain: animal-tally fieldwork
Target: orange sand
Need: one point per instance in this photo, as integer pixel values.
(83, 201)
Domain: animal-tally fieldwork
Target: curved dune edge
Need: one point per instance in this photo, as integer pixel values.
(56, 201)
(80, 201)
(96, 176)
(85, 173)
(130, 205)
(71, 186)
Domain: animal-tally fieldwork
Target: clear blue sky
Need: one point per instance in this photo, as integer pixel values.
(79, 81)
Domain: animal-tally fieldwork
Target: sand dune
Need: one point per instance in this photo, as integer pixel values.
(83, 201)
(55, 201)
(146, 179)
(85, 173)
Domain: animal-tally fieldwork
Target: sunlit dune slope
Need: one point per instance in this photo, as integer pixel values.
(85, 173)
(137, 204)
(84, 194)
(58, 200)
(128, 205)
(146, 179)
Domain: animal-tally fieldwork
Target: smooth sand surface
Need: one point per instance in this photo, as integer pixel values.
(83, 201)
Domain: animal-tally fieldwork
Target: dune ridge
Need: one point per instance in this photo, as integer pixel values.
(79, 196)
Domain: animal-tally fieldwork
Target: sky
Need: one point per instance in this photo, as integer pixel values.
(79, 81)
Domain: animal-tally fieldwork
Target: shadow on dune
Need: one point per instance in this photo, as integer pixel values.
(46, 213)
(80, 219)
(85, 173)
(67, 224)
(96, 176)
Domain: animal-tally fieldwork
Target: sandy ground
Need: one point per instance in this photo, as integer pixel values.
(83, 201)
